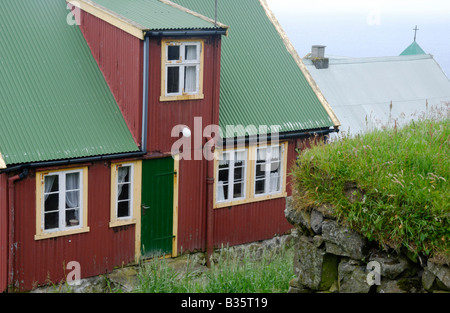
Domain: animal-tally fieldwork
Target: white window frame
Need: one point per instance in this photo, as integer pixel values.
(231, 178)
(182, 63)
(135, 183)
(250, 179)
(267, 163)
(62, 229)
(131, 193)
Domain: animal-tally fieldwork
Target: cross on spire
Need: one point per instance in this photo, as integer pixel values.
(415, 32)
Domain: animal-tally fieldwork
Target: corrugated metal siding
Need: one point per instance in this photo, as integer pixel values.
(255, 221)
(98, 251)
(261, 84)
(119, 57)
(155, 15)
(55, 102)
(163, 116)
(3, 233)
(250, 222)
(192, 206)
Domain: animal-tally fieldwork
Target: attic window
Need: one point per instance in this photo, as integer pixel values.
(182, 70)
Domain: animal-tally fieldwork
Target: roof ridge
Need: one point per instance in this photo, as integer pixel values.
(300, 63)
(351, 60)
(196, 14)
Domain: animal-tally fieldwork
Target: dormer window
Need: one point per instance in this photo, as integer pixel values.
(182, 73)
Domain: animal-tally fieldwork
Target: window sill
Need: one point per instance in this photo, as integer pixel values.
(119, 223)
(182, 97)
(61, 233)
(250, 200)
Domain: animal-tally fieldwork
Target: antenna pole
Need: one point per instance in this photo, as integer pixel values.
(215, 18)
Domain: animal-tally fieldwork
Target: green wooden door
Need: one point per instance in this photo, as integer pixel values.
(157, 207)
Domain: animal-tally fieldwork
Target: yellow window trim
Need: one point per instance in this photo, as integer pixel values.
(184, 96)
(40, 233)
(137, 179)
(250, 177)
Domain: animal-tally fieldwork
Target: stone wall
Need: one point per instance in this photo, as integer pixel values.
(332, 258)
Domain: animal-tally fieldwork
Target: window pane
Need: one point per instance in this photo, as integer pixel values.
(238, 173)
(123, 192)
(191, 53)
(51, 183)
(190, 79)
(261, 154)
(124, 174)
(173, 53)
(173, 79)
(123, 209)
(275, 167)
(224, 175)
(51, 203)
(72, 217)
(275, 153)
(51, 220)
(275, 184)
(73, 181)
(260, 169)
(260, 186)
(238, 191)
(225, 192)
(72, 199)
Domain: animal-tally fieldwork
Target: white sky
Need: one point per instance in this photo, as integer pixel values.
(435, 8)
(364, 28)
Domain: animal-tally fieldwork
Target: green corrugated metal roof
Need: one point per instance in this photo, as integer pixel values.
(155, 15)
(413, 49)
(261, 84)
(54, 101)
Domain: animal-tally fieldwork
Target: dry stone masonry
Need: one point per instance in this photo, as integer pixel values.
(333, 258)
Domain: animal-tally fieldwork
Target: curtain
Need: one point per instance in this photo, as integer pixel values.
(190, 79)
(220, 191)
(49, 180)
(72, 192)
(121, 176)
(191, 53)
(274, 182)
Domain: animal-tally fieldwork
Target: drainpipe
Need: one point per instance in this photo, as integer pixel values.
(210, 169)
(209, 209)
(11, 204)
(145, 94)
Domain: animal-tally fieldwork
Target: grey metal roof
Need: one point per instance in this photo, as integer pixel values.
(361, 90)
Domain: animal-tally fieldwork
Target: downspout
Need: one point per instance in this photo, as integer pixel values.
(210, 169)
(145, 94)
(11, 205)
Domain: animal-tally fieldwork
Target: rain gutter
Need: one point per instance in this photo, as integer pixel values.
(282, 136)
(185, 33)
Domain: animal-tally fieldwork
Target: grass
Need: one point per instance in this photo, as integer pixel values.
(399, 178)
(230, 272)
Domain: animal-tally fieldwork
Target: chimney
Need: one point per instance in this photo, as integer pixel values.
(318, 57)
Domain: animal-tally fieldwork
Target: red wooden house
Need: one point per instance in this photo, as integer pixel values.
(105, 115)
